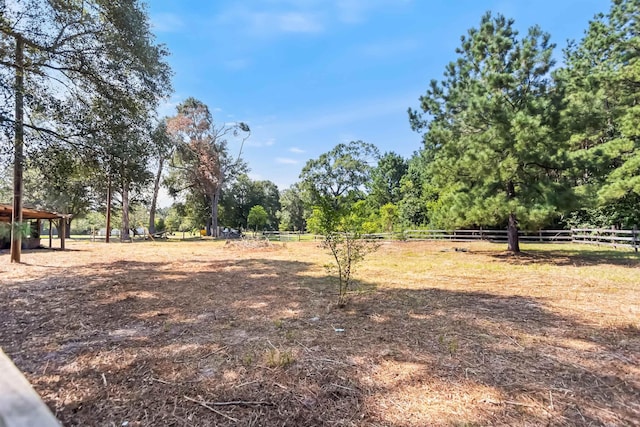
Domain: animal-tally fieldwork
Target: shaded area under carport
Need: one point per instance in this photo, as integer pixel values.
(6, 213)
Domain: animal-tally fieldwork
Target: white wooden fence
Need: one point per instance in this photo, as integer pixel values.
(562, 236)
(607, 237)
(591, 236)
(595, 236)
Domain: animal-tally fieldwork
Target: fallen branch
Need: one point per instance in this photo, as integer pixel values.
(204, 405)
(241, 403)
(244, 384)
(514, 403)
(162, 381)
(512, 339)
(342, 387)
(213, 352)
(508, 402)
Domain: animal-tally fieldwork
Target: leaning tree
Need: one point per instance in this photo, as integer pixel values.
(202, 164)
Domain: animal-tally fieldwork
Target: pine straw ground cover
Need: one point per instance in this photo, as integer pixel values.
(203, 334)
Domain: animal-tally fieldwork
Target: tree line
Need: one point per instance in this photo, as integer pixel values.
(510, 137)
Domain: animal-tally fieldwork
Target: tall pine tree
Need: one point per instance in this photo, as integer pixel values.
(602, 85)
(490, 127)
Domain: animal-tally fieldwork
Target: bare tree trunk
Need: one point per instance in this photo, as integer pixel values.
(124, 236)
(154, 199)
(16, 220)
(63, 228)
(512, 234)
(108, 235)
(512, 227)
(214, 212)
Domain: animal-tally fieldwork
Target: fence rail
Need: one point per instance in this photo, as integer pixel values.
(490, 235)
(589, 236)
(607, 237)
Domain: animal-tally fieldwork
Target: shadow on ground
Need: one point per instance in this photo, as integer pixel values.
(136, 341)
(574, 257)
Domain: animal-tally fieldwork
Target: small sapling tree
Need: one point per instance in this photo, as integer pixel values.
(343, 237)
(335, 181)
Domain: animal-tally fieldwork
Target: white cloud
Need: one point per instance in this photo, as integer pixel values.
(286, 161)
(276, 17)
(271, 22)
(364, 109)
(296, 150)
(166, 23)
(261, 143)
(164, 199)
(356, 11)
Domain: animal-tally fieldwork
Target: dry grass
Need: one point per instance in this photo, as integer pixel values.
(199, 333)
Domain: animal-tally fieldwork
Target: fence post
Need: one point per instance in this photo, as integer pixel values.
(634, 239)
(613, 234)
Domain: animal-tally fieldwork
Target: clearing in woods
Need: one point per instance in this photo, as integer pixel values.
(203, 333)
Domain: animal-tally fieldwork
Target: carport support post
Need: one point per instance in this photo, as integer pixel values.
(50, 233)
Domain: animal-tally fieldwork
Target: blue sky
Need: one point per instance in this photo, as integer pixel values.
(309, 74)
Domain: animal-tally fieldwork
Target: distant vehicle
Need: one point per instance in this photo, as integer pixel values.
(231, 233)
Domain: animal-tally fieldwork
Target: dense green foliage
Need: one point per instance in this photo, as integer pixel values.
(242, 195)
(509, 140)
(601, 81)
(493, 128)
(294, 209)
(257, 217)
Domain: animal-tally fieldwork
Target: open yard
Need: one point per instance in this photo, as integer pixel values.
(202, 334)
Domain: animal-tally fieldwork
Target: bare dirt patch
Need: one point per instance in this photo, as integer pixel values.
(199, 333)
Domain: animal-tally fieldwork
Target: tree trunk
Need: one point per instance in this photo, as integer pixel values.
(124, 235)
(66, 228)
(108, 235)
(16, 220)
(512, 234)
(154, 199)
(214, 212)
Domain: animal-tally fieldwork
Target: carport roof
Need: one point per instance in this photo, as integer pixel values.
(27, 213)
